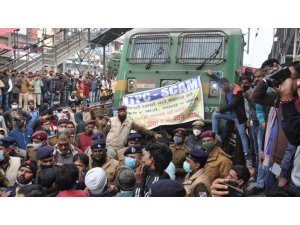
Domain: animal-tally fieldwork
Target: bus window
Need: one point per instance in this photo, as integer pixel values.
(196, 48)
(147, 48)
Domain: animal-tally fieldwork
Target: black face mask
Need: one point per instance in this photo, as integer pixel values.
(74, 110)
(59, 110)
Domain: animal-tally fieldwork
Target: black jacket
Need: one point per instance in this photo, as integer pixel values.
(237, 104)
(142, 189)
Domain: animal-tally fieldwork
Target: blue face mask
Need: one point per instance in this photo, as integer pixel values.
(1, 155)
(177, 140)
(130, 162)
(186, 167)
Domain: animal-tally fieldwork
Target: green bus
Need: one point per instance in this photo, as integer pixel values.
(153, 58)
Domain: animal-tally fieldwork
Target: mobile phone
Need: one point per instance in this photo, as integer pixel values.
(234, 191)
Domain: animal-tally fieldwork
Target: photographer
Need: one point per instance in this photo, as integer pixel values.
(289, 100)
(238, 176)
(275, 139)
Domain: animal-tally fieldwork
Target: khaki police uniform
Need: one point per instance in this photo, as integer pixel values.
(110, 167)
(53, 140)
(199, 178)
(179, 156)
(218, 164)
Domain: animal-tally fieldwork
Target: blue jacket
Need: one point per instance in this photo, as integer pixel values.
(22, 139)
(34, 116)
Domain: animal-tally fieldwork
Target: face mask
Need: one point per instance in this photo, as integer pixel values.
(130, 162)
(208, 146)
(60, 130)
(36, 146)
(74, 110)
(59, 110)
(24, 182)
(1, 136)
(197, 132)
(14, 107)
(177, 140)
(31, 108)
(186, 167)
(1, 156)
(64, 152)
(47, 127)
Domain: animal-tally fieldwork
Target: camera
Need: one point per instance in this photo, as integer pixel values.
(279, 76)
(233, 190)
(246, 87)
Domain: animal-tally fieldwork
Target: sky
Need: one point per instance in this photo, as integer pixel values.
(259, 47)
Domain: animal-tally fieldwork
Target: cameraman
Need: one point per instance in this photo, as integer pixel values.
(239, 175)
(289, 100)
(275, 139)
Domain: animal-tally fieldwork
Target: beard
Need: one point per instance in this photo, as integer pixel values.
(98, 161)
(24, 181)
(5, 160)
(122, 118)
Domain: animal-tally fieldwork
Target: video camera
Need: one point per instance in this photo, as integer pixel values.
(279, 76)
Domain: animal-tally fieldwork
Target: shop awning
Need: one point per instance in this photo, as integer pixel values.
(7, 30)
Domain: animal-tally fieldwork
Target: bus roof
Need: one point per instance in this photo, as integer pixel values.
(228, 31)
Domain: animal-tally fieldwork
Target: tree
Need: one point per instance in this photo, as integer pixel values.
(113, 64)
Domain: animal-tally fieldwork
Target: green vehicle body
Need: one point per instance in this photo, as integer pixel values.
(147, 70)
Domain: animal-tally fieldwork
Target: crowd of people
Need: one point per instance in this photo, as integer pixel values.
(65, 88)
(85, 151)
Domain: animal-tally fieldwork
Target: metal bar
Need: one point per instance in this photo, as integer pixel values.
(295, 44)
(104, 64)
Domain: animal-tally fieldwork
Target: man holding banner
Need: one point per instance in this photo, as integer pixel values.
(118, 129)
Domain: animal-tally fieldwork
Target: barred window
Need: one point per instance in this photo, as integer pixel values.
(149, 48)
(197, 48)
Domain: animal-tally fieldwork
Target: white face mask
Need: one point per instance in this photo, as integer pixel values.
(61, 129)
(1, 136)
(36, 146)
(197, 132)
(14, 106)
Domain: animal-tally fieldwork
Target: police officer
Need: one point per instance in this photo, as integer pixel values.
(196, 182)
(194, 141)
(99, 158)
(39, 139)
(133, 156)
(133, 139)
(103, 110)
(179, 149)
(218, 163)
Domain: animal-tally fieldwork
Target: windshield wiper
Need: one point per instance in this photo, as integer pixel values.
(157, 53)
(214, 55)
